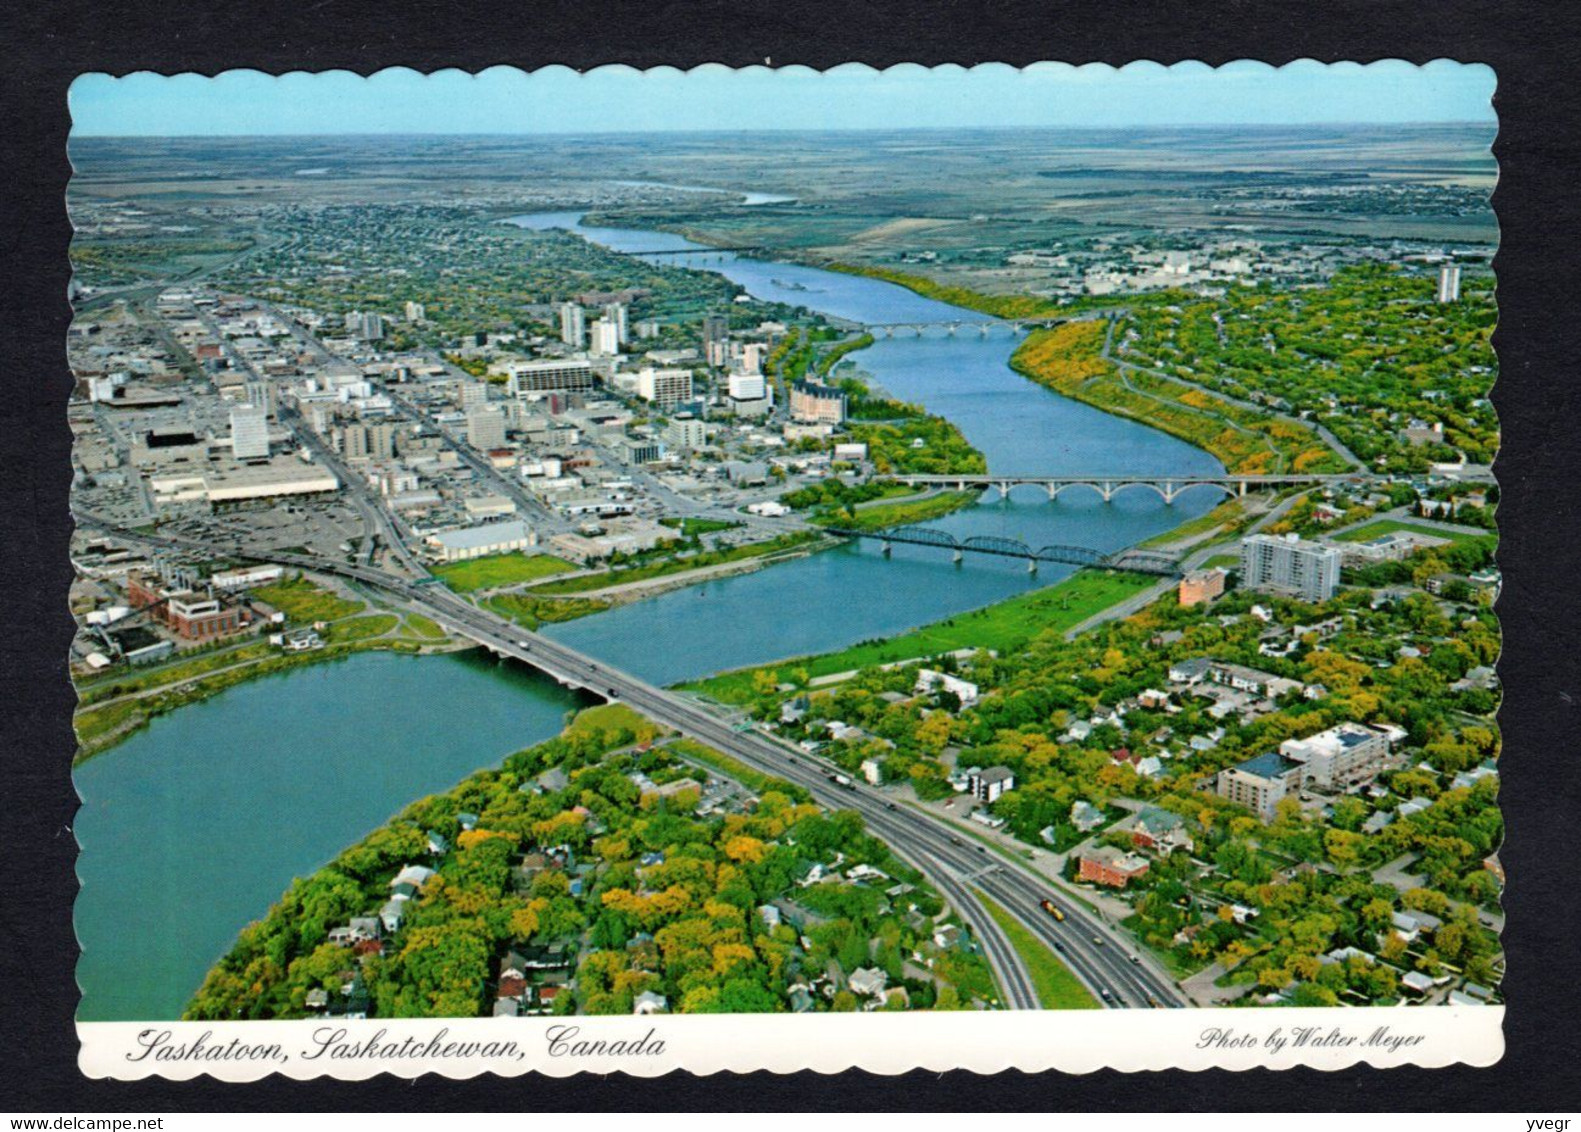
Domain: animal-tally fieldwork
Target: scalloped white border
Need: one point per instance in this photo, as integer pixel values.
(888, 1043)
(1071, 1041)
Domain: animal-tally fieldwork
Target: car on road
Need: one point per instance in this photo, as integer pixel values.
(1098, 939)
(1136, 959)
(890, 806)
(957, 841)
(1108, 996)
(1053, 910)
(1058, 946)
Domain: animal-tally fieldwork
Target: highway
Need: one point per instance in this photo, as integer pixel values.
(1098, 956)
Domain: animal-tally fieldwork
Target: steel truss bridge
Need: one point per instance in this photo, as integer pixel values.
(700, 251)
(1168, 488)
(1136, 561)
(955, 326)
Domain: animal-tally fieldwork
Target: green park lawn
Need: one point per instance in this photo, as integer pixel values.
(1057, 988)
(500, 570)
(301, 600)
(1002, 627)
(1389, 526)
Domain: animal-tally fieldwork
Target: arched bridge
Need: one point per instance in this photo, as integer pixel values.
(1168, 488)
(1138, 561)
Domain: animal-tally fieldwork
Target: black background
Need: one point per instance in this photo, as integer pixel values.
(1534, 49)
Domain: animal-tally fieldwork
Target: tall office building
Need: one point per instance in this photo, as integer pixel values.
(1290, 565)
(262, 394)
(746, 387)
(471, 394)
(606, 338)
(616, 313)
(365, 325)
(573, 328)
(486, 429)
(414, 311)
(664, 387)
(752, 355)
(716, 332)
(1448, 283)
(249, 432)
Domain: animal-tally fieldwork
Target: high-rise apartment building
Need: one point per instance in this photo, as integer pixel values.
(1448, 283)
(606, 339)
(1290, 565)
(573, 328)
(615, 313)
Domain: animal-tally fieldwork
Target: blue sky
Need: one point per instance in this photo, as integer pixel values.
(611, 99)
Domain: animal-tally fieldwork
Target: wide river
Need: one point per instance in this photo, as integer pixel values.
(192, 827)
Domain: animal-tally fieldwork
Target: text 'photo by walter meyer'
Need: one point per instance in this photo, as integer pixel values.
(566, 561)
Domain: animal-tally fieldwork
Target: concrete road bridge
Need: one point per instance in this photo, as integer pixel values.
(1168, 488)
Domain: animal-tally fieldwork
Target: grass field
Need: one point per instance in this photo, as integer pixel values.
(500, 570)
(1228, 561)
(421, 626)
(1389, 526)
(613, 717)
(582, 583)
(301, 600)
(362, 628)
(691, 527)
(1226, 513)
(1057, 988)
(1001, 627)
(532, 612)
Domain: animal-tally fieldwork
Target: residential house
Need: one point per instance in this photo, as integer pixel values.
(1160, 831)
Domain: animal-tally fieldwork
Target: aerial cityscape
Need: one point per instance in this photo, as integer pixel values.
(891, 566)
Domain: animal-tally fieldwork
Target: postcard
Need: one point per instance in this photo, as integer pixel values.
(776, 569)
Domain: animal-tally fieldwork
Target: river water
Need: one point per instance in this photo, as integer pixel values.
(834, 599)
(194, 826)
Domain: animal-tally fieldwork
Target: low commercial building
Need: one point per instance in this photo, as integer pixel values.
(1203, 586)
(191, 616)
(482, 540)
(1261, 783)
(1109, 866)
(929, 681)
(550, 375)
(1341, 757)
(989, 785)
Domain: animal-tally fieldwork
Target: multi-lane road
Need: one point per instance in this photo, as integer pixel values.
(1113, 969)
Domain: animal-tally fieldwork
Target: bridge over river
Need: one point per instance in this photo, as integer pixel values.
(1136, 561)
(1167, 488)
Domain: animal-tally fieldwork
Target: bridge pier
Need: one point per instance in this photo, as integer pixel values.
(1032, 565)
(1107, 491)
(959, 556)
(884, 548)
(1053, 492)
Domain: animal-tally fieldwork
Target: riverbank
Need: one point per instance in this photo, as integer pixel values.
(1000, 627)
(103, 724)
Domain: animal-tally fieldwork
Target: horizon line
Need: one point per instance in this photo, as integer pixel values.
(1491, 124)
